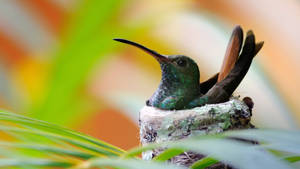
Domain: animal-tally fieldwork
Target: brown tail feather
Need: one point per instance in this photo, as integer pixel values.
(232, 52)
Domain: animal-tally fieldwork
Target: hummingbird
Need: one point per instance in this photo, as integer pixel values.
(179, 87)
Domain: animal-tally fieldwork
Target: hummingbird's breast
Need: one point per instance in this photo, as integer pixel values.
(158, 96)
(173, 96)
(175, 89)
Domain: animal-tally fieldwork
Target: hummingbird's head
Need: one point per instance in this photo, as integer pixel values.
(176, 69)
(181, 69)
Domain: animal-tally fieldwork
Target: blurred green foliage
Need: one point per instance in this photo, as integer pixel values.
(37, 144)
(87, 41)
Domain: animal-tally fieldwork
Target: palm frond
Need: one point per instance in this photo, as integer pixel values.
(30, 143)
(232, 149)
(45, 144)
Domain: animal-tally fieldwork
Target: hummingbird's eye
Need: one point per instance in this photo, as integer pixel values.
(181, 62)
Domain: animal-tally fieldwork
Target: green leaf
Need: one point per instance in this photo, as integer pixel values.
(129, 164)
(286, 147)
(62, 147)
(286, 141)
(203, 163)
(33, 162)
(292, 159)
(167, 154)
(270, 136)
(48, 149)
(43, 128)
(234, 153)
(87, 41)
(90, 147)
(138, 150)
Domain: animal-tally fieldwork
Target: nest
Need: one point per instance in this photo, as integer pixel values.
(158, 126)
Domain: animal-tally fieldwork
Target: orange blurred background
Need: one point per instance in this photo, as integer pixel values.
(59, 63)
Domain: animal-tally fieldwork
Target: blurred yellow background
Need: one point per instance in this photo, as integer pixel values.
(60, 64)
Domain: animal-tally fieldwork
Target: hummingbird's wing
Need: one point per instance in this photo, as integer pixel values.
(208, 84)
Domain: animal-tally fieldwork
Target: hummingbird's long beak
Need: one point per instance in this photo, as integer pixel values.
(157, 56)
